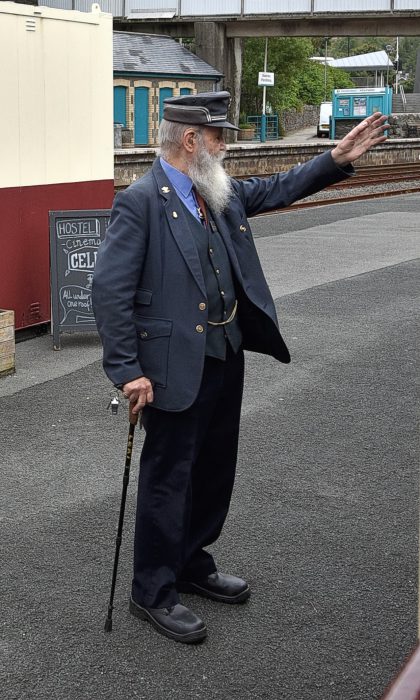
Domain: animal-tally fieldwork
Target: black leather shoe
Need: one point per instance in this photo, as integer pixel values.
(218, 586)
(178, 622)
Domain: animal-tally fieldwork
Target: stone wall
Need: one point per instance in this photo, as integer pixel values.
(404, 125)
(292, 120)
(264, 159)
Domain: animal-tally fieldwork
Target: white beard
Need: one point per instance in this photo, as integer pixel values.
(210, 179)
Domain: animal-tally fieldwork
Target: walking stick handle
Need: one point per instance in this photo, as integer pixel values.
(132, 417)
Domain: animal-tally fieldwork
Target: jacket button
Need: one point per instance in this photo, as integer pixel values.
(199, 328)
(143, 334)
(202, 306)
(242, 228)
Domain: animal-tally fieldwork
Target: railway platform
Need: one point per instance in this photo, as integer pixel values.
(323, 521)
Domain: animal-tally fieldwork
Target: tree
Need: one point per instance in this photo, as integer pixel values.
(298, 80)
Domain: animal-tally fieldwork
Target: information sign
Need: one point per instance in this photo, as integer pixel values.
(265, 78)
(75, 237)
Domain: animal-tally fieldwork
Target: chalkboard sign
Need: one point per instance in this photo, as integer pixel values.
(74, 240)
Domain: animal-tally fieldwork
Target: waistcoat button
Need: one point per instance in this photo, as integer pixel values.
(199, 328)
(202, 306)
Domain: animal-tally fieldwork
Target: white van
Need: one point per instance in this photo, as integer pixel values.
(325, 113)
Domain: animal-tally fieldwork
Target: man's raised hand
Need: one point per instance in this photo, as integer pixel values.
(360, 139)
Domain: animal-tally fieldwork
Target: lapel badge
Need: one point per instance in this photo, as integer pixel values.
(242, 228)
(165, 189)
(174, 215)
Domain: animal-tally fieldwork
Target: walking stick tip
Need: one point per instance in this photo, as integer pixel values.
(108, 625)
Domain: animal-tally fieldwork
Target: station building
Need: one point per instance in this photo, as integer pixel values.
(147, 69)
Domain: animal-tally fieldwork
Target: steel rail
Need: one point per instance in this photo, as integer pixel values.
(343, 200)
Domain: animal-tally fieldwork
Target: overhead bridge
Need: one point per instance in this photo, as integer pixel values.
(265, 17)
(219, 25)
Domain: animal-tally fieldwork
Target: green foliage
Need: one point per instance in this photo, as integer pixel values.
(409, 45)
(298, 81)
(314, 89)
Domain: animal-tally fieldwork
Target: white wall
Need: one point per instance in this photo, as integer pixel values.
(406, 4)
(200, 8)
(56, 121)
(351, 5)
(276, 6)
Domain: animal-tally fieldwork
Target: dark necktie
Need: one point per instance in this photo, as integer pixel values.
(202, 209)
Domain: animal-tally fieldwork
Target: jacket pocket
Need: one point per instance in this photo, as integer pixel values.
(153, 342)
(143, 296)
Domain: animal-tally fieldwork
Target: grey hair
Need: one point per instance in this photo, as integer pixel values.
(170, 136)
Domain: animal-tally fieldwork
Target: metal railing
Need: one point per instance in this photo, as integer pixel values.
(272, 127)
(173, 9)
(403, 97)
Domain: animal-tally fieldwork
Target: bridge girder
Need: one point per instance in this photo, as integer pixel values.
(401, 24)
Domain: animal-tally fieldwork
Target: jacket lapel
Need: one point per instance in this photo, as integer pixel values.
(178, 224)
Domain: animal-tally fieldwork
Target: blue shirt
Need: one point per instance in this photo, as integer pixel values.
(183, 186)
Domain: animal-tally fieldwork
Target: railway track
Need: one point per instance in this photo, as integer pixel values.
(381, 174)
(369, 182)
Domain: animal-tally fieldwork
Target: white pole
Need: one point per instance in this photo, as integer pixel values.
(397, 56)
(263, 116)
(265, 70)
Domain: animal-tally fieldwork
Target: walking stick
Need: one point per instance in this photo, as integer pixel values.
(133, 418)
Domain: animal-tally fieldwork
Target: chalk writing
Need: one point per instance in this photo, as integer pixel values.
(72, 227)
(83, 259)
(75, 237)
(76, 299)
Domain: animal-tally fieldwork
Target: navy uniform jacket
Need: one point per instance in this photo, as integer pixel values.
(149, 296)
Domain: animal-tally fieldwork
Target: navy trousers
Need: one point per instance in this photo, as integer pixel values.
(187, 472)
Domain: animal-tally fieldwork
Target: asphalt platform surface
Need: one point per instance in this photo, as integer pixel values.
(324, 518)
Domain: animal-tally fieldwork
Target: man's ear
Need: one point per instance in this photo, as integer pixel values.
(189, 139)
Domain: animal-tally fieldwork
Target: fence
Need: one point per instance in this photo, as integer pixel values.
(272, 128)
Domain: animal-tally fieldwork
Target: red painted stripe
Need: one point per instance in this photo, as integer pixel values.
(24, 241)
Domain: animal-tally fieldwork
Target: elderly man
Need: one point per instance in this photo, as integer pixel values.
(178, 295)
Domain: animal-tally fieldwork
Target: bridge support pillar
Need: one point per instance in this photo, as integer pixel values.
(225, 54)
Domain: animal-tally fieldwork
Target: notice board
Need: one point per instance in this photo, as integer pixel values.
(75, 237)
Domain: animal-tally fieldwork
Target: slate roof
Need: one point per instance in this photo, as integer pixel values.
(376, 60)
(152, 53)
